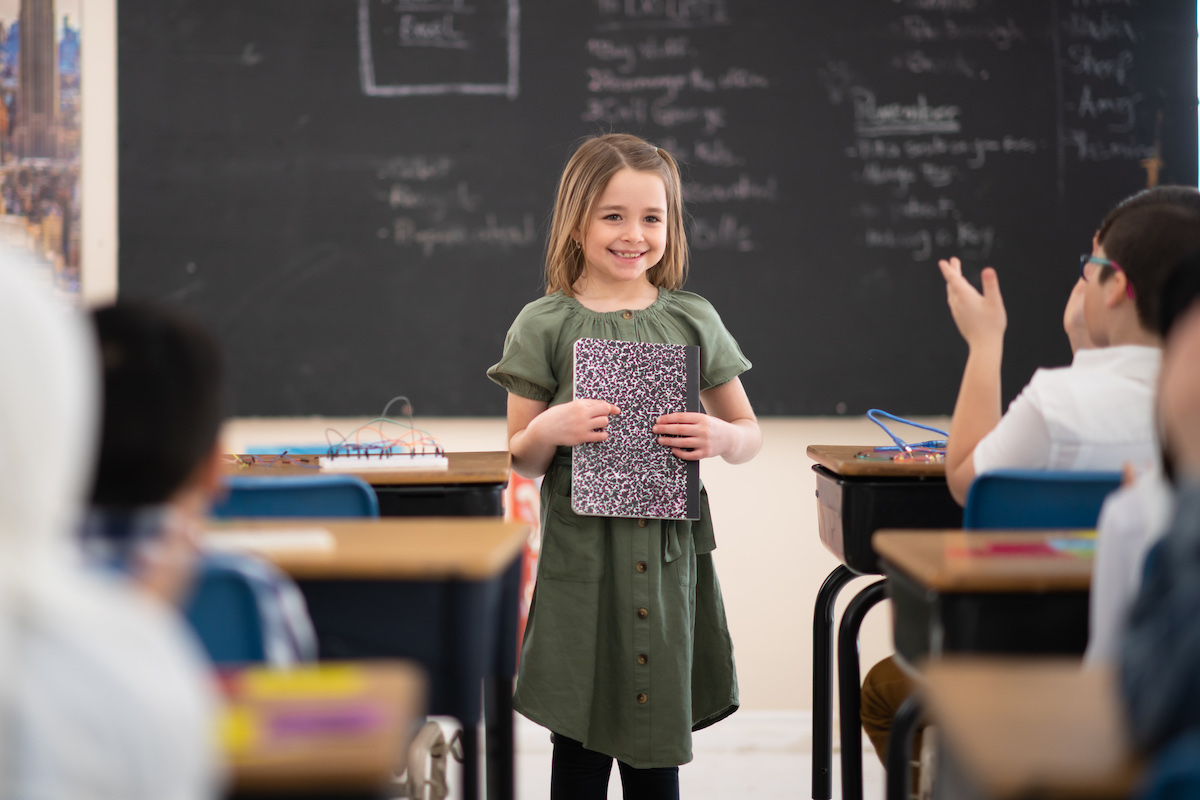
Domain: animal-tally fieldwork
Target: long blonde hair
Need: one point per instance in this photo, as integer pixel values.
(584, 180)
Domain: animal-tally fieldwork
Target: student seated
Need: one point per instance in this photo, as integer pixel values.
(104, 694)
(160, 468)
(1160, 650)
(1097, 413)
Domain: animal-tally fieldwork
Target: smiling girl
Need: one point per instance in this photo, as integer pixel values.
(626, 650)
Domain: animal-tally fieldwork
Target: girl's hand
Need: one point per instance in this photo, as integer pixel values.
(1073, 322)
(981, 318)
(693, 436)
(575, 422)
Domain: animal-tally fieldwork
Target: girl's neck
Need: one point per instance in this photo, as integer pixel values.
(604, 297)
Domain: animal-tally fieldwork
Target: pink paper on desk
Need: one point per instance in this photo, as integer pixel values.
(1005, 549)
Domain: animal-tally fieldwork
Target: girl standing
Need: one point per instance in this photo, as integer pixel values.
(626, 649)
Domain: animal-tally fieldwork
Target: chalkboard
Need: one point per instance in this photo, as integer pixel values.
(355, 193)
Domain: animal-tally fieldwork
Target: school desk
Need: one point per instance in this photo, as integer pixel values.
(472, 485)
(855, 497)
(335, 729)
(442, 592)
(1017, 729)
(995, 591)
(987, 591)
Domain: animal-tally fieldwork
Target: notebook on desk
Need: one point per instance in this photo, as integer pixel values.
(630, 474)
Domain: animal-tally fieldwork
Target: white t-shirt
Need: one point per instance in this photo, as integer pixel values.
(1097, 414)
(1132, 520)
(114, 703)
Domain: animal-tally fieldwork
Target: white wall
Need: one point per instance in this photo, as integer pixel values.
(98, 176)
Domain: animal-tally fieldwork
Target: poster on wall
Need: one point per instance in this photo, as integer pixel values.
(40, 135)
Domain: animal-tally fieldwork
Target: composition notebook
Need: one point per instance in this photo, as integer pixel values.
(630, 474)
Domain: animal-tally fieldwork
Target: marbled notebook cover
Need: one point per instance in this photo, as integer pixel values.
(630, 474)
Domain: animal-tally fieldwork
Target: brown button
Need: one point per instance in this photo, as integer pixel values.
(643, 659)
(642, 698)
(627, 314)
(643, 613)
(641, 523)
(640, 566)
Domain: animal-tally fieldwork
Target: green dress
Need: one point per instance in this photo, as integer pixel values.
(626, 648)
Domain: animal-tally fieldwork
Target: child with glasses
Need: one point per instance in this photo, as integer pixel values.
(1097, 413)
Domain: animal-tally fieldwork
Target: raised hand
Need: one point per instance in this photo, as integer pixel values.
(980, 317)
(1073, 321)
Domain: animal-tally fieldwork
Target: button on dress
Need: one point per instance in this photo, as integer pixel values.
(626, 648)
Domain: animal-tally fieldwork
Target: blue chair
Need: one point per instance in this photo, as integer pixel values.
(245, 611)
(223, 610)
(1020, 498)
(299, 496)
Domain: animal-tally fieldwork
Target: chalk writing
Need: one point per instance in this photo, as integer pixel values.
(1100, 107)
(620, 14)
(406, 231)
(872, 119)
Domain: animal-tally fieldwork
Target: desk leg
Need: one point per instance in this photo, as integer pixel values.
(850, 687)
(900, 742)
(822, 719)
(470, 772)
(499, 743)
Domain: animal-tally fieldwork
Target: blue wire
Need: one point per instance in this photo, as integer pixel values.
(900, 443)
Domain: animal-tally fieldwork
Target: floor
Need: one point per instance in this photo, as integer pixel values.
(764, 755)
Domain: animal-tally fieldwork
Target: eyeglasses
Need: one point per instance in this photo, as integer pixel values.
(1088, 258)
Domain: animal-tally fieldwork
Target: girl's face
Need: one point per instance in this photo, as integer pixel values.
(627, 232)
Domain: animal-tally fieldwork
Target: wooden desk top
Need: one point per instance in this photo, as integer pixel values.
(990, 561)
(404, 548)
(485, 467)
(841, 459)
(336, 726)
(1024, 728)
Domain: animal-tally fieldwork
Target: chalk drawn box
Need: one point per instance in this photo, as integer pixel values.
(455, 47)
(630, 474)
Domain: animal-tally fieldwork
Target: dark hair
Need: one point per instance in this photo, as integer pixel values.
(162, 410)
(1182, 196)
(1147, 241)
(1180, 291)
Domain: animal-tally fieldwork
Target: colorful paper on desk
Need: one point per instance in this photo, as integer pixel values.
(289, 540)
(1053, 548)
(313, 683)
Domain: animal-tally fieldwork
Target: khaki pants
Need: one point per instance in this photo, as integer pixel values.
(884, 690)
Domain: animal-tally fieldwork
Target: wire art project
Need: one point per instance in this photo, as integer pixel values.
(383, 443)
(412, 448)
(930, 450)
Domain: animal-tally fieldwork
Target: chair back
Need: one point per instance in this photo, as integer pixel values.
(298, 496)
(223, 610)
(244, 610)
(1011, 498)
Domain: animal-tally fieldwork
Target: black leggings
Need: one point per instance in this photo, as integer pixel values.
(577, 773)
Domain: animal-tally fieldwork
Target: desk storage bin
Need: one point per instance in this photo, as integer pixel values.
(931, 624)
(850, 509)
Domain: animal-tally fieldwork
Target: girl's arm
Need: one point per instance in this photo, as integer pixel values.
(534, 430)
(729, 429)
